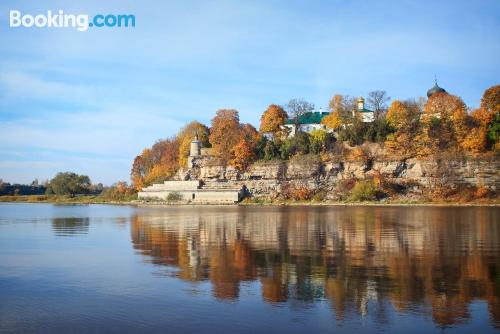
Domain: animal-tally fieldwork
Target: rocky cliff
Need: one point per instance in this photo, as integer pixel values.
(333, 176)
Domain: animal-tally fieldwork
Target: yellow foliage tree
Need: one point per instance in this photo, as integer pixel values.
(332, 121)
(340, 112)
(185, 137)
(445, 125)
(397, 115)
(404, 118)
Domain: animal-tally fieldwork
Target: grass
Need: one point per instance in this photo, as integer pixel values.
(83, 199)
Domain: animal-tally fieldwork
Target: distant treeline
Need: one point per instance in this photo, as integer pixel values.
(69, 184)
(21, 189)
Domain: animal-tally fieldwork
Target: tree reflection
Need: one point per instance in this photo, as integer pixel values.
(70, 226)
(435, 260)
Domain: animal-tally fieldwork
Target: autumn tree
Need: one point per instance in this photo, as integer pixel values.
(225, 133)
(319, 139)
(187, 134)
(476, 140)
(272, 121)
(249, 133)
(444, 124)
(243, 155)
(156, 164)
(340, 116)
(491, 100)
(404, 118)
(332, 121)
(140, 168)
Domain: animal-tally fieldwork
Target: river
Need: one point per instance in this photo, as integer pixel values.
(185, 269)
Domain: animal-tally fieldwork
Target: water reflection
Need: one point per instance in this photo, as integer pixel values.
(70, 226)
(429, 261)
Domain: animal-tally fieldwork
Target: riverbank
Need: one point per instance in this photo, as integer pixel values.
(62, 199)
(95, 199)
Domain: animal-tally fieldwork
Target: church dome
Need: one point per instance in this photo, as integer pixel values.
(435, 89)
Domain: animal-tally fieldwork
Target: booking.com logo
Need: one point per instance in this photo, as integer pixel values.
(59, 19)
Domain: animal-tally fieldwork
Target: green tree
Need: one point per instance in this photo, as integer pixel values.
(69, 183)
(298, 144)
(494, 130)
(271, 151)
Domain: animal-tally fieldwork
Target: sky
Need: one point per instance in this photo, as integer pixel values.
(89, 102)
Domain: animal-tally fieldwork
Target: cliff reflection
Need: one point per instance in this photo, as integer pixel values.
(426, 260)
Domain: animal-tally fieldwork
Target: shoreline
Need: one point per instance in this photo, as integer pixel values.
(139, 203)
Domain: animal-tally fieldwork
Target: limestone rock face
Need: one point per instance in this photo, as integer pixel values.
(267, 179)
(232, 173)
(303, 169)
(273, 170)
(354, 170)
(212, 172)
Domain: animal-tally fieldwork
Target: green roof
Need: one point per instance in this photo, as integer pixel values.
(313, 117)
(364, 110)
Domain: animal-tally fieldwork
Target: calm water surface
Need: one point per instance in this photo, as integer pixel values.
(94, 268)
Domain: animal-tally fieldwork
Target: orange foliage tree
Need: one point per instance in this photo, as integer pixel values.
(491, 100)
(272, 120)
(225, 133)
(476, 139)
(243, 155)
(156, 164)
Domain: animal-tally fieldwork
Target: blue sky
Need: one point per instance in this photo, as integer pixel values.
(89, 102)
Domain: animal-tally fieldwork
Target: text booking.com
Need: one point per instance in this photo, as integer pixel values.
(59, 19)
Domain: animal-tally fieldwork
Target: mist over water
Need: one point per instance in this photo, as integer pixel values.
(81, 268)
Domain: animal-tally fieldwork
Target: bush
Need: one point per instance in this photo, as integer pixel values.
(319, 196)
(481, 192)
(296, 192)
(346, 185)
(174, 196)
(360, 154)
(119, 191)
(364, 190)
